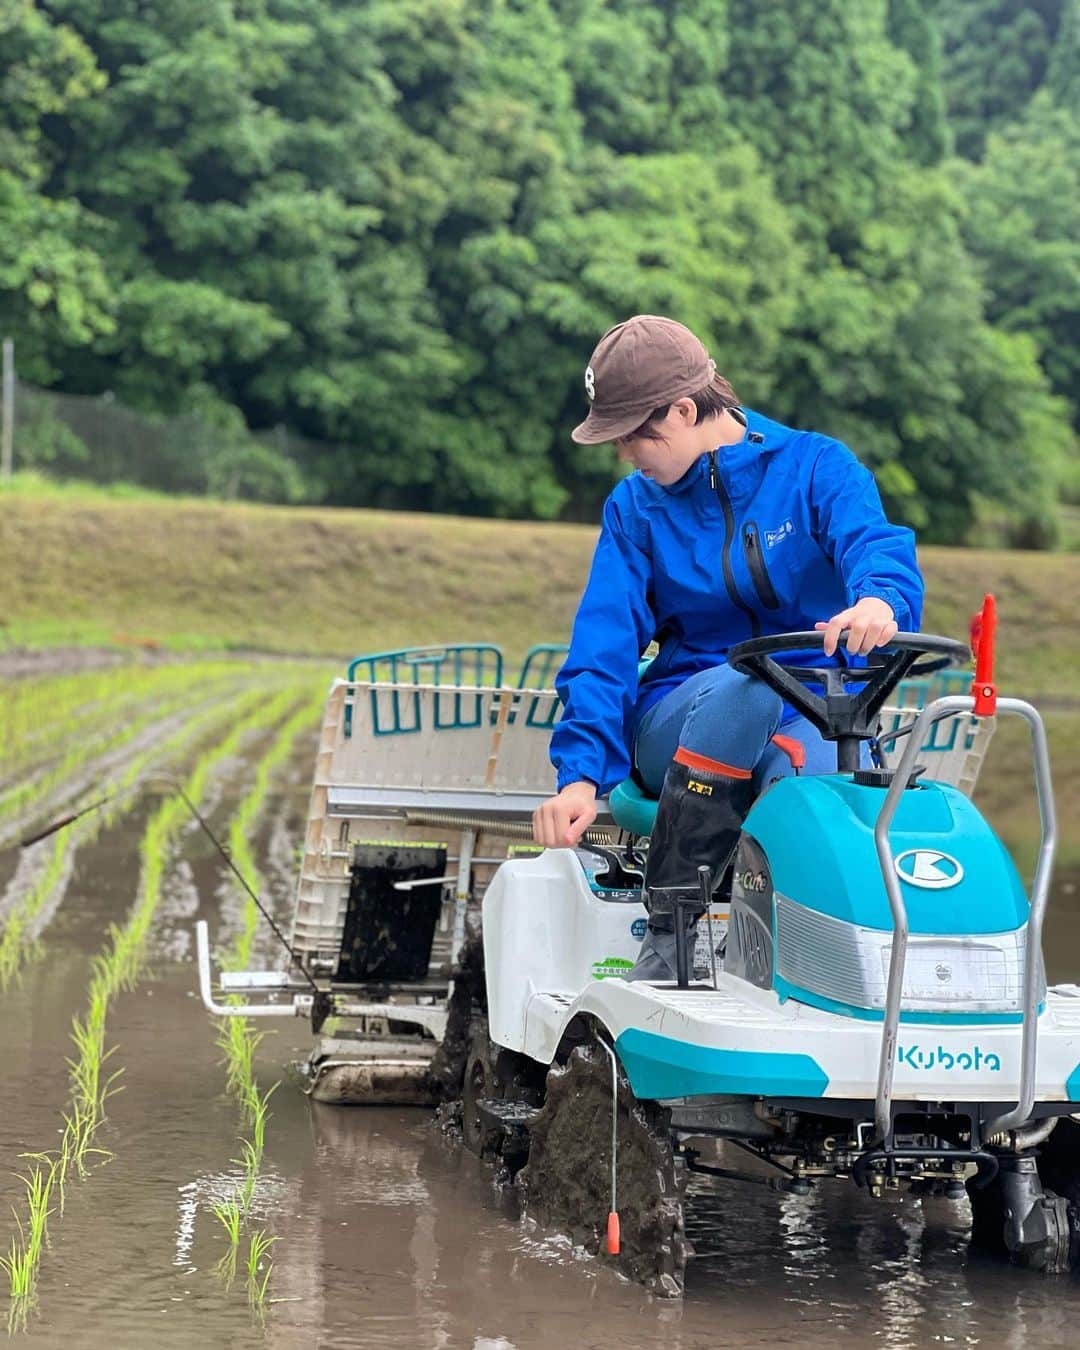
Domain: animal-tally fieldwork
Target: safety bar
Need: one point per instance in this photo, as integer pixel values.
(1040, 892)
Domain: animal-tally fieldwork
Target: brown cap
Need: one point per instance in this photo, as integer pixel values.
(637, 366)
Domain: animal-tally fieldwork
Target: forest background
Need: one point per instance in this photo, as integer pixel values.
(364, 247)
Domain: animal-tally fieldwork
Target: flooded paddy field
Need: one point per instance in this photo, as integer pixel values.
(169, 1171)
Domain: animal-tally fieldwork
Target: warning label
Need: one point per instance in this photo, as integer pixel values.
(702, 961)
(611, 967)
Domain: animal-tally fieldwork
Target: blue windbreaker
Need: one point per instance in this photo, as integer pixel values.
(769, 535)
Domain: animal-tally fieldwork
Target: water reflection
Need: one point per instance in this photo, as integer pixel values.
(404, 1240)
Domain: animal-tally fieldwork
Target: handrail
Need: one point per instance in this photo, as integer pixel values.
(1040, 891)
(1040, 896)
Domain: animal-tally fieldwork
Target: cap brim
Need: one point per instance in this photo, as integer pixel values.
(600, 427)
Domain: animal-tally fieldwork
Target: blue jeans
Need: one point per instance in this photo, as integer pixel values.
(728, 717)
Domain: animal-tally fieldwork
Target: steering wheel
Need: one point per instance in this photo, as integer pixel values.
(838, 714)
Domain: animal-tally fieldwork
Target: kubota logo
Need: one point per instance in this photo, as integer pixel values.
(928, 868)
(969, 1061)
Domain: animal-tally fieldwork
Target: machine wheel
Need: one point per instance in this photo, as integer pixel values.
(566, 1183)
(500, 1094)
(479, 1085)
(1059, 1168)
(450, 1059)
(1047, 1185)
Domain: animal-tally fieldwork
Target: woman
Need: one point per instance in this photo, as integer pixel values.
(732, 527)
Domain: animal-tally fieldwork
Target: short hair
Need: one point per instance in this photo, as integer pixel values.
(716, 398)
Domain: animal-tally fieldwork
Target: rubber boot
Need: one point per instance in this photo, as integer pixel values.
(698, 819)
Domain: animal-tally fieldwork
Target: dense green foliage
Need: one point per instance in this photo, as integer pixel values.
(396, 227)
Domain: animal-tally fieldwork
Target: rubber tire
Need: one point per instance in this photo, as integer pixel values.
(478, 1083)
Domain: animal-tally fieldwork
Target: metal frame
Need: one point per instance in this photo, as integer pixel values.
(1040, 893)
(431, 1016)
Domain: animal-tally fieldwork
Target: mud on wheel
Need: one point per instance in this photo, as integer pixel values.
(566, 1183)
(500, 1093)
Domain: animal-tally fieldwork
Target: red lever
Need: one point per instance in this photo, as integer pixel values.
(983, 626)
(795, 750)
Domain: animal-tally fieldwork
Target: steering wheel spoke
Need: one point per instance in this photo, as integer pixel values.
(842, 714)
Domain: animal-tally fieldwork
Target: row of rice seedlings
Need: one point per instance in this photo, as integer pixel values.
(258, 1267)
(24, 1254)
(38, 715)
(102, 743)
(232, 1213)
(99, 744)
(37, 711)
(15, 953)
(13, 950)
(236, 1036)
(117, 968)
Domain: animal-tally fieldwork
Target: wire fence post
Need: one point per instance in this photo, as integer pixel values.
(7, 424)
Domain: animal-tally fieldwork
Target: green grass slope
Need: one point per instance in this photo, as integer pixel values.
(187, 573)
(191, 574)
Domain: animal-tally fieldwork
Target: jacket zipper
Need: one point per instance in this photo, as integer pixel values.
(756, 560)
(725, 553)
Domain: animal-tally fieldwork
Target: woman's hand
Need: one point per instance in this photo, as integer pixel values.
(870, 622)
(563, 819)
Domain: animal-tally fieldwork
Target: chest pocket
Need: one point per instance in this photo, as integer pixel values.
(755, 561)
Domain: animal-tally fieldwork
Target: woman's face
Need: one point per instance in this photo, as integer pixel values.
(675, 444)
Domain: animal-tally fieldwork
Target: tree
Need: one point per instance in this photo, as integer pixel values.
(1021, 226)
(896, 358)
(913, 28)
(1063, 68)
(54, 293)
(819, 90)
(996, 55)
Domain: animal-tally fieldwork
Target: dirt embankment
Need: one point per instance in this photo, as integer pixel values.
(193, 573)
(134, 578)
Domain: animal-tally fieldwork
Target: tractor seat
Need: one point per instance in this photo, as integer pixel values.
(632, 810)
(635, 812)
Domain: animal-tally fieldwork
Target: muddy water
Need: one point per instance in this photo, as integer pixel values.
(389, 1236)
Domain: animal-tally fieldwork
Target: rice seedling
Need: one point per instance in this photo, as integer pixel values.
(260, 1114)
(229, 1214)
(39, 1186)
(18, 1265)
(259, 1268)
(239, 1042)
(24, 1251)
(250, 1163)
